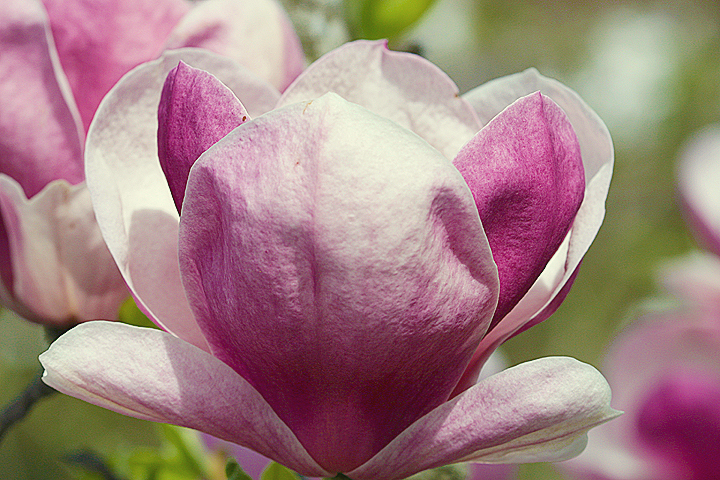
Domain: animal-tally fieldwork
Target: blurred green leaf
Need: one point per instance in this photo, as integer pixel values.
(131, 314)
(234, 471)
(275, 471)
(375, 19)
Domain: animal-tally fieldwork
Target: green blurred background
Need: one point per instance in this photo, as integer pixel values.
(650, 69)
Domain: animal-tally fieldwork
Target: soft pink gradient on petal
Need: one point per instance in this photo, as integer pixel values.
(98, 41)
(196, 110)
(400, 86)
(132, 200)
(257, 34)
(552, 401)
(698, 176)
(62, 272)
(106, 364)
(526, 175)
(40, 132)
(296, 279)
(596, 149)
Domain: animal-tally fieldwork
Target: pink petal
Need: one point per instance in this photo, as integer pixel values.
(597, 156)
(151, 375)
(40, 133)
(698, 177)
(98, 41)
(257, 34)
(133, 203)
(526, 175)
(62, 272)
(403, 87)
(351, 310)
(196, 110)
(537, 411)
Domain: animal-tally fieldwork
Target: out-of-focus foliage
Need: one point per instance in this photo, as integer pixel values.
(374, 19)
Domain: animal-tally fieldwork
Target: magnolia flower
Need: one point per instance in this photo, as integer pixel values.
(254, 464)
(57, 60)
(665, 375)
(333, 266)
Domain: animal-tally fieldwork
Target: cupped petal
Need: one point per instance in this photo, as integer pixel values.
(40, 132)
(351, 310)
(99, 41)
(698, 177)
(151, 375)
(526, 175)
(536, 411)
(597, 155)
(62, 272)
(257, 34)
(196, 110)
(132, 200)
(400, 86)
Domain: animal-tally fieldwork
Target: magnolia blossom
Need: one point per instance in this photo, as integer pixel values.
(58, 58)
(332, 266)
(254, 464)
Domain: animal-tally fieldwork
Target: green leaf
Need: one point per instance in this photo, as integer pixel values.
(234, 471)
(375, 19)
(131, 314)
(275, 471)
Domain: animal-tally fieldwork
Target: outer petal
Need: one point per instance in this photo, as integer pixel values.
(597, 155)
(131, 197)
(389, 284)
(526, 175)
(257, 34)
(536, 411)
(62, 272)
(196, 110)
(148, 374)
(40, 133)
(100, 40)
(698, 177)
(403, 87)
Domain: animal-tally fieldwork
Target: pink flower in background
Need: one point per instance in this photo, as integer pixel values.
(58, 58)
(334, 265)
(664, 371)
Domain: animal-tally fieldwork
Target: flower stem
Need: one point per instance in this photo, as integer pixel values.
(20, 407)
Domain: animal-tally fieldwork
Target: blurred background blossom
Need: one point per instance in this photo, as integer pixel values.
(650, 68)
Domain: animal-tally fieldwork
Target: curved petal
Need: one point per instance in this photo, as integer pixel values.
(536, 411)
(99, 41)
(526, 176)
(196, 110)
(40, 132)
(62, 271)
(151, 375)
(597, 156)
(403, 87)
(132, 200)
(698, 177)
(257, 34)
(274, 248)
